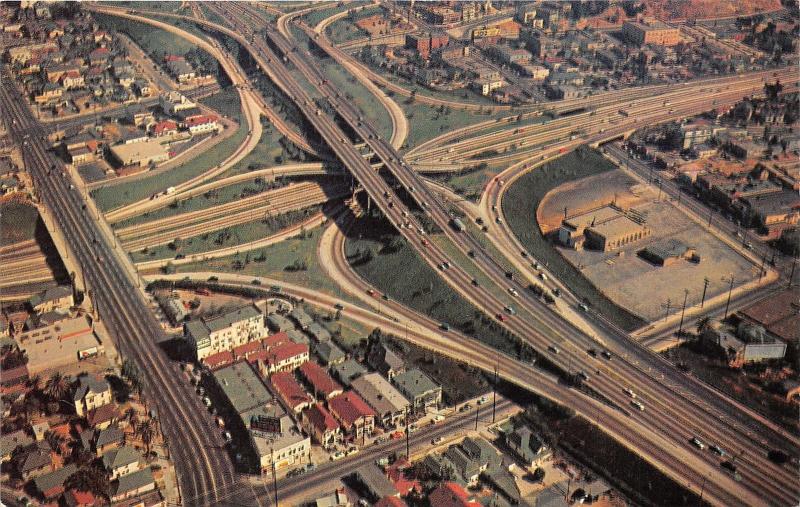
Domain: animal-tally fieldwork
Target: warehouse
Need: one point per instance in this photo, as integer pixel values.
(605, 228)
(668, 252)
(141, 154)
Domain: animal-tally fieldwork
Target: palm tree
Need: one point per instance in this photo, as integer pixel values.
(146, 431)
(702, 324)
(57, 387)
(35, 383)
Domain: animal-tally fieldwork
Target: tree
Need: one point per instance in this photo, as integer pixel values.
(703, 323)
(146, 431)
(54, 440)
(91, 479)
(57, 387)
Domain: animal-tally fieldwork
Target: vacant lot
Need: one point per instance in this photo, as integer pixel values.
(521, 201)
(644, 288)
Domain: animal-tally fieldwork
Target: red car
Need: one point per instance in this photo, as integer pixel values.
(370, 292)
(424, 242)
(397, 435)
(501, 317)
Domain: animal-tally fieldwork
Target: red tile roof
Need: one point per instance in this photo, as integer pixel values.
(242, 351)
(218, 360)
(275, 340)
(349, 407)
(286, 351)
(200, 119)
(76, 498)
(319, 417)
(451, 494)
(292, 394)
(164, 126)
(322, 383)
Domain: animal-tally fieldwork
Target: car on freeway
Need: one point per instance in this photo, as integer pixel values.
(412, 428)
(475, 282)
(482, 400)
(397, 435)
(592, 352)
(370, 292)
(557, 292)
(351, 450)
(582, 374)
(606, 354)
(220, 422)
(437, 441)
(437, 419)
(465, 407)
(716, 450)
(227, 436)
(638, 405)
(424, 242)
(513, 292)
(445, 326)
(583, 307)
(630, 392)
(697, 443)
(729, 466)
(501, 317)
(553, 349)
(339, 306)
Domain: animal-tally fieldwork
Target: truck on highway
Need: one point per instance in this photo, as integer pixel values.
(170, 191)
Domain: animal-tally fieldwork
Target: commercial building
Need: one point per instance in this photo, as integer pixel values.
(211, 335)
(419, 389)
(388, 403)
(605, 228)
(141, 153)
(748, 343)
(284, 445)
(59, 344)
(283, 357)
(174, 102)
(650, 32)
(669, 251)
(779, 314)
(290, 392)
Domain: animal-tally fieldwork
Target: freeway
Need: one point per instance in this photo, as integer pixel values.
(196, 447)
(683, 414)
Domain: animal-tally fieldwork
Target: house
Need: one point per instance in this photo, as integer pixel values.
(389, 405)
(103, 416)
(180, 69)
(385, 360)
(419, 389)
(375, 484)
(285, 357)
(50, 486)
(329, 353)
(201, 124)
(208, 336)
(174, 102)
(471, 458)
(451, 494)
(37, 461)
(527, 447)
(164, 128)
(301, 318)
(10, 442)
(14, 379)
(121, 461)
(318, 332)
(102, 440)
(293, 396)
(91, 393)
(353, 413)
(322, 385)
(132, 485)
(321, 425)
(347, 371)
(53, 299)
(279, 323)
(39, 430)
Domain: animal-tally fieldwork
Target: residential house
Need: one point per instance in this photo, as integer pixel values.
(10, 442)
(353, 413)
(347, 371)
(322, 385)
(92, 392)
(301, 318)
(50, 486)
(329, 353)
(121, 461)
(451, 494)
(318, 332)
(75, 498)
(131, 485)
(419, 389)
(375, 482)
(102, 417)
(527, 446)
(321, 425)
(201, 124)
(284, 357)
(385, 360)
(57, 298)
(293, 396)
(389, 405)
(38, 460)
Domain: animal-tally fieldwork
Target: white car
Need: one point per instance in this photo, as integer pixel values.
(698, 443)
(337, 455)
(513, 292)
(638, 405)
(630, 392)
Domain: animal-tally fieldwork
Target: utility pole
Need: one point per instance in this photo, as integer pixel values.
(727, 305)
(683, 311)
(408, 442)
(763, 261)
(702, 490)
(477, 413)
(706, 281)
(710, 216)
(791, 274)
(494, 395)
(668, 305)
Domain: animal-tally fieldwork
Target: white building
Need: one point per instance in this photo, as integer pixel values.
(217, 334)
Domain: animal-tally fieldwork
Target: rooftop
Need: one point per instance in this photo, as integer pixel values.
(289, 390)
(322, 383)
(379, 393)
(242, 386)
(414, 382)
(349, 407)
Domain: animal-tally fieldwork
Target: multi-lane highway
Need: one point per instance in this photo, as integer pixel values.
(195, 444)
(682, 413)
